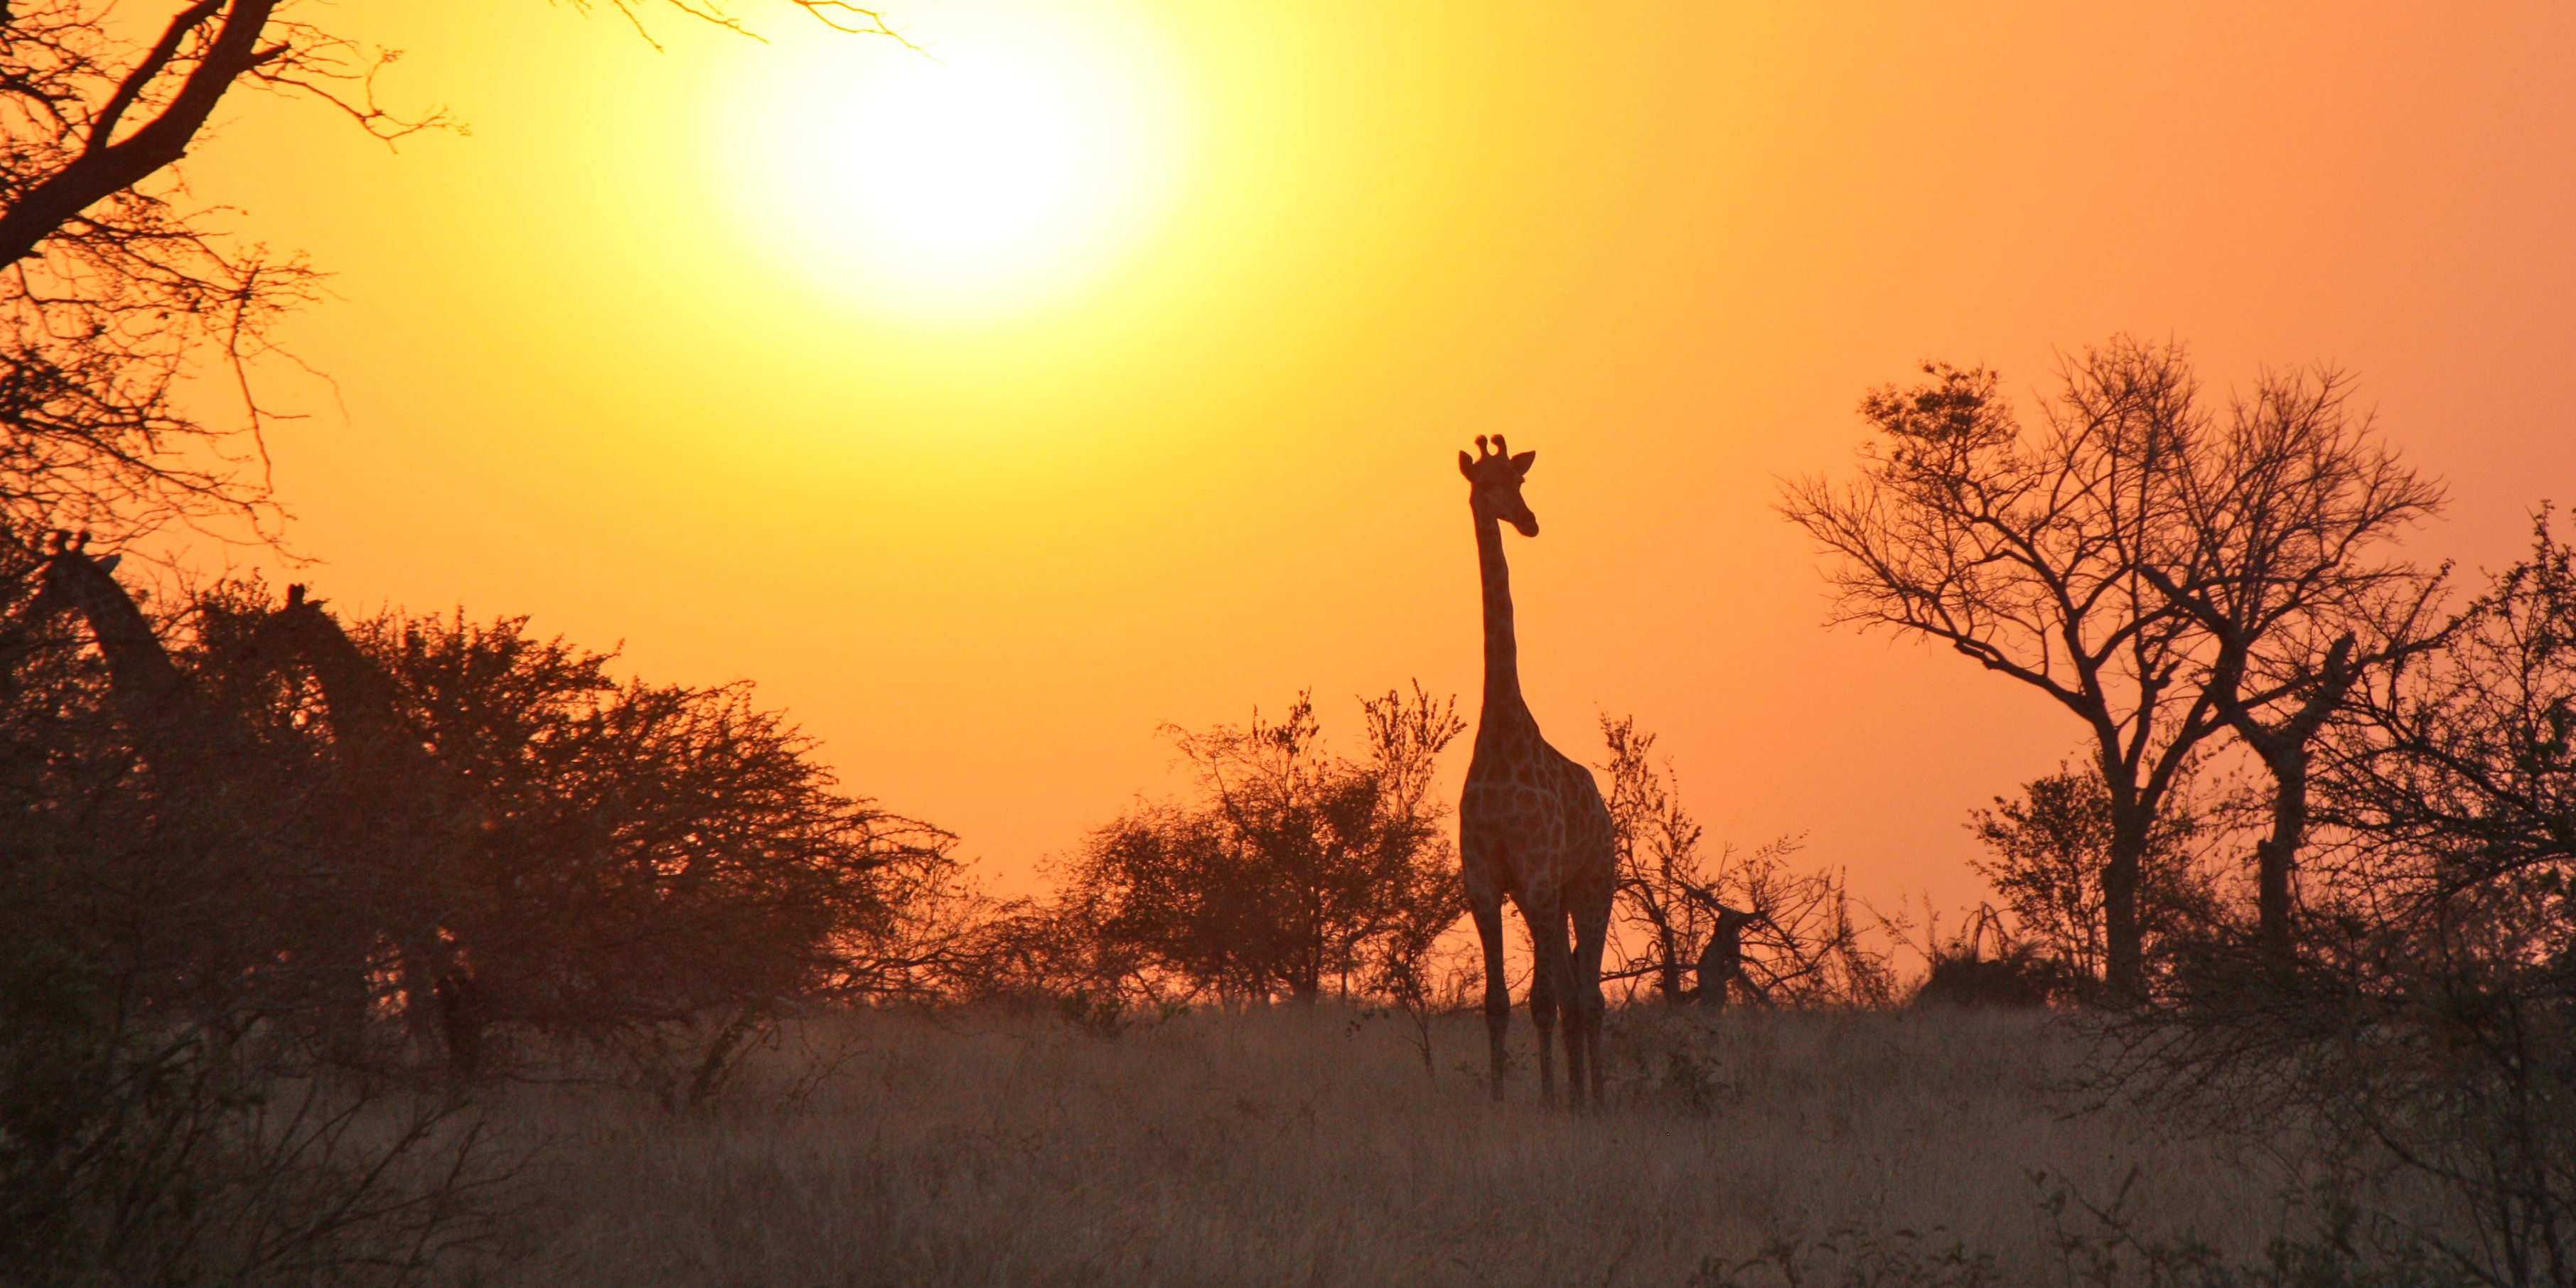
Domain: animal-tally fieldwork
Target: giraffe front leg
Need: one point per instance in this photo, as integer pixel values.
(1548, 992)
(1488, 912)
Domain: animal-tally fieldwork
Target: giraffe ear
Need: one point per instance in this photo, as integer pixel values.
(1466, 464)
(1521, 464)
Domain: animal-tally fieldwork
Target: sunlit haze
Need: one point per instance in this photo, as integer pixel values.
(1014, 152)
(1104, 363)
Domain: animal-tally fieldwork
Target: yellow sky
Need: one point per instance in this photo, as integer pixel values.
(984, 554)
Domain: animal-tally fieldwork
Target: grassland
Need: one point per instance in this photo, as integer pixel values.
(1310, 1147)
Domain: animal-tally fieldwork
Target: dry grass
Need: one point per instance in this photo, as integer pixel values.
(1297, 1147)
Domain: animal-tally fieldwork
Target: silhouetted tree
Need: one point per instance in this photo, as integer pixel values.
(1801, 945)
(1658, 847)
(2461, 771)
(174, 935)
(456, 824)
(203, 865)
(641, 853)
(1804, 947)
(2423, 1034)
(1292, 868)
(2290, 510)
(2026, 550)
(2049, 848)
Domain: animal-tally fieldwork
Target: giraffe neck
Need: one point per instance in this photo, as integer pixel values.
(1502, 655)
(356, 691)
(136, 662)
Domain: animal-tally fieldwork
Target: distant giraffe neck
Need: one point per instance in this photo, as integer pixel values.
(356, 691)
(1502, 654)
(136, 662)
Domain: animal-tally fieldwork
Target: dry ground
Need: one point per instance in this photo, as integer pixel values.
(1308, 1147)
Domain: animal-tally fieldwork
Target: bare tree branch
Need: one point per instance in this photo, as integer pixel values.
(2026, 550)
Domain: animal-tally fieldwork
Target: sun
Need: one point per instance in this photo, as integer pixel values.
(1013, 156)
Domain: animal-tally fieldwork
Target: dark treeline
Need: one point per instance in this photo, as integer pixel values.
(428, 824)
(279, 888)
(1289, 872)
(244, 840)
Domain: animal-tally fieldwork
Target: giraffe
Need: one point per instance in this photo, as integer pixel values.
(1531, 824)
(222, 793)
(414, 820)
(386, 825)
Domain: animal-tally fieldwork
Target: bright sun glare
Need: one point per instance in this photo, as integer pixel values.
(1012, 158)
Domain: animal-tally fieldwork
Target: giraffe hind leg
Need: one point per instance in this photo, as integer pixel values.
(1576, 1017)
(1591, 937)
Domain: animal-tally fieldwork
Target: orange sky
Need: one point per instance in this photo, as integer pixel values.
(1666, 245)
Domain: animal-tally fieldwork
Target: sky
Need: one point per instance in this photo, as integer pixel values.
(1155, 419)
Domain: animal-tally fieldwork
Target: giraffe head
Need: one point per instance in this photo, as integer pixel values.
(298, 613)
(67, 560)
(1496, 475)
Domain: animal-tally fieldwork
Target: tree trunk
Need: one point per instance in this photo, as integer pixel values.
(1305, 982)
(2124, 936)
(2284, 751)
(2276, 855)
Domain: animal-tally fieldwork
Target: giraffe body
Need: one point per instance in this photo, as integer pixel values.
(1532, 826)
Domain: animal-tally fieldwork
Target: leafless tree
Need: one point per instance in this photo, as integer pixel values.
(2423, 1032)
(2463, 761)
(1658, 847)
(1804, 946)
(2026, 551)
(1798, 941)
(2291, 511)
